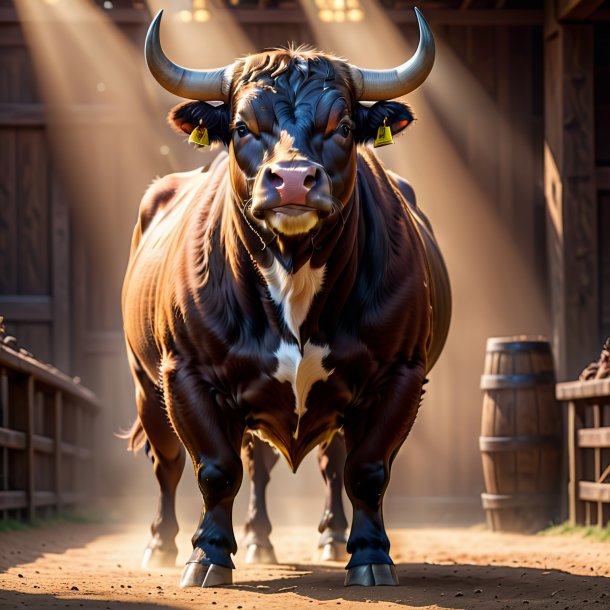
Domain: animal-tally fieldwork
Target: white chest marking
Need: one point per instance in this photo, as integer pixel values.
(294, 292)
(301, 370)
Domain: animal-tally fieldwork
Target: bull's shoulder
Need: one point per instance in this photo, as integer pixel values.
(406, 190)
(160, 195)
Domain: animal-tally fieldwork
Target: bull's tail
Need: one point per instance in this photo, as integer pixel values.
(136, 437)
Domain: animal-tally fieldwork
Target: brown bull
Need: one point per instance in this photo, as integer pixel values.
(292, 290)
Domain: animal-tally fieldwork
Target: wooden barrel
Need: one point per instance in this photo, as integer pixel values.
(520, 435)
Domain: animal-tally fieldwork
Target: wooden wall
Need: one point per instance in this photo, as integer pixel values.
(34, 234)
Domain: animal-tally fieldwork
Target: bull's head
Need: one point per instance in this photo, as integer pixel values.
(291, 119)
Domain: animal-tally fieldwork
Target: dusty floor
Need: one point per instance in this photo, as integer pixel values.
(96, 567)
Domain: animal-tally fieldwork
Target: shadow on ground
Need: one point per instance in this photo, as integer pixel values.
(13, 600)
(49, 539)
(461, 586)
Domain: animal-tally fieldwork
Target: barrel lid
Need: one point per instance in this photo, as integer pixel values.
(519, 343)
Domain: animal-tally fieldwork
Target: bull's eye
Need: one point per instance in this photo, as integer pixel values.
(345, 130)
(241, 129)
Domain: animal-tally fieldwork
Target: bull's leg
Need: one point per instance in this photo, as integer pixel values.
(168, 464)
(373, 435)
(260, 459)
(331, 459)
(212, 432)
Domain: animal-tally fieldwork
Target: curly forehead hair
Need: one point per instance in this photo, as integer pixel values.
(292, 66)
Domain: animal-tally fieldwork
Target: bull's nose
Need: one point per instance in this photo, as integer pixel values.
(292, 182)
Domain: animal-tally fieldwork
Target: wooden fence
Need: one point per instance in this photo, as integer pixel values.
(46, 438)
(588, 449)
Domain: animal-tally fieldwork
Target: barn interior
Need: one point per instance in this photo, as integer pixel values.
(509, 158)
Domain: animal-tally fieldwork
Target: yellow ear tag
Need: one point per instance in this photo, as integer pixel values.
(199, 136)
(384, 135)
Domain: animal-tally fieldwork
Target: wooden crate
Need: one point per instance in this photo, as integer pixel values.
(588, 449)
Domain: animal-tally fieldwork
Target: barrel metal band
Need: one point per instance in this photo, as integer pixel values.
(500, 501)
(502, 345)
(509, 382)
(498, 444)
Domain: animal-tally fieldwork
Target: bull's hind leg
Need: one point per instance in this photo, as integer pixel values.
(331, 459)
(260, 459)
(373, 435)
(212, 433)
(167, 455)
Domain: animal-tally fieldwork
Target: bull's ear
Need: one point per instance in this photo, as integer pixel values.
(186, 116)
(370, 118)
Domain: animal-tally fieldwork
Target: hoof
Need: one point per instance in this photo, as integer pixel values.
(371, 575)
(156, 558)
(193, 575)
(199, 575)
(218, 575)
(334, 551)
(260, 554)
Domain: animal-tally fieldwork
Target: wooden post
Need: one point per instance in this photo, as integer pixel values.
(31, 510)
(570, 192)
(574, 424)
(57, 448)
(4, 424)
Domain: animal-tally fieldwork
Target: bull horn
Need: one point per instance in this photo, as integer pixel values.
(376, 85)
(191, 84)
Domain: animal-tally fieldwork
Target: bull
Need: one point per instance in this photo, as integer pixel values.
(292, 294)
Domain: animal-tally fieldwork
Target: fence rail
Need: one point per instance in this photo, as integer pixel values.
(46, 437)
(588, 450)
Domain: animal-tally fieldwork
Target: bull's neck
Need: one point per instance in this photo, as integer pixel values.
(302, 274)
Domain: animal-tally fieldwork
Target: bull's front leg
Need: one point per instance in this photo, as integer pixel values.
(211, 432)
(373, 434)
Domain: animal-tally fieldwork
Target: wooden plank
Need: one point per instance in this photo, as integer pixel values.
(33, 214)
(576, 9)
(594, 492)
(60, 252)
(592, 438)
(579, 390)
(13, 499)
(80, 453)
(48, 375)
(8, 212)
(13, 439)
(43, 444)
(44, 498)
(26, 308)
(22, 115)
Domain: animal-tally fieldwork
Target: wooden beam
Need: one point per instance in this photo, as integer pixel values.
(571, 194)
(594, 438)
(575, 390)
(21, 115)
(26, 308)
(594, 492)
(479, 17)
(576, 9)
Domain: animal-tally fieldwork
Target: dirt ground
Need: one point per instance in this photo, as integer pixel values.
(96, 567)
